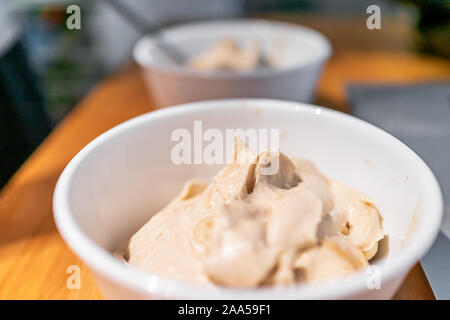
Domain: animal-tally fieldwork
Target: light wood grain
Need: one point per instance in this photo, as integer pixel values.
(33, 257)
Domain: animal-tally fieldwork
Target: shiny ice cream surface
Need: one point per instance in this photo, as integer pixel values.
(249, 229)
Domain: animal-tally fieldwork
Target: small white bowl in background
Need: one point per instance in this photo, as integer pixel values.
(114, 185)
(301, 52)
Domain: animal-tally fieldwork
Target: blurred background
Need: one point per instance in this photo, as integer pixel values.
(45, 69)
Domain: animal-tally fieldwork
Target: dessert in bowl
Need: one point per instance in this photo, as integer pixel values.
(264, 220)
(294, 56)
(122, 178)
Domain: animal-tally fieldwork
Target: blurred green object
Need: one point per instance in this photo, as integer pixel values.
(434, 25)
(64, 59)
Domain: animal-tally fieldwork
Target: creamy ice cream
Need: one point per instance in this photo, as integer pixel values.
(227, 54)
(248, 229)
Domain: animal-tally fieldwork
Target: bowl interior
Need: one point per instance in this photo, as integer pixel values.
(121, 179)
(292, 45)
(130, 176)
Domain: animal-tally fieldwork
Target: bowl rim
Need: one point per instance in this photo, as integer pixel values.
(104, 264)
(141, 56)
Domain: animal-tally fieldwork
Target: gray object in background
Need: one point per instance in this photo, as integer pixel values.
(437, 267)
(115, 36)
(418, 115)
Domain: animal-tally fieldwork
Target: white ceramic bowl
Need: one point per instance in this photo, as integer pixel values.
(120, 179)
(302, 51)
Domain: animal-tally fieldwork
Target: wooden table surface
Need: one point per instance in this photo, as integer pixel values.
(34, 258)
